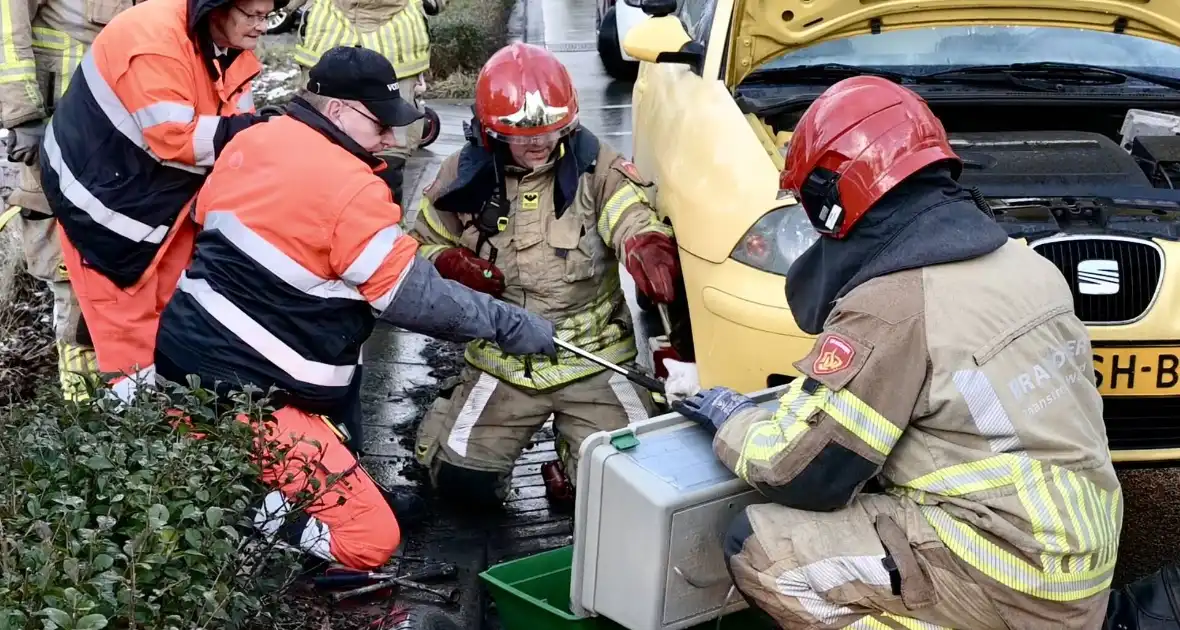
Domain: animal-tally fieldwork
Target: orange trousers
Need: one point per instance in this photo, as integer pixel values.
(123, 322)
(344, 517)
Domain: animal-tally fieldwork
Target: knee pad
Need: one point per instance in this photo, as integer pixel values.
(468, 488)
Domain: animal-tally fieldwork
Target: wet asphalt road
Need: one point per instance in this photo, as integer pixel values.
(403, 371)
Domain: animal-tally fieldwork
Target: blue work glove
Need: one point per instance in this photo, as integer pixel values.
(712, 407)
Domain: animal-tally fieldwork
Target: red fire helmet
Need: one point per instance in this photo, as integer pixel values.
(857, 141)
(525, 95)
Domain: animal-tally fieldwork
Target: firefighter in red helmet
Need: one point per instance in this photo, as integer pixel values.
(949, 367)
(537, 211)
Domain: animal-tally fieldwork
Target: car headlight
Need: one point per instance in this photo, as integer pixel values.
(776, 240)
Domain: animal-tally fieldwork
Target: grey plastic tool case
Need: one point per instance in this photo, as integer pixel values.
(650, 519)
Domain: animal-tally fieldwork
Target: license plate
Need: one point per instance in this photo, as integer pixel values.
(1137, 371)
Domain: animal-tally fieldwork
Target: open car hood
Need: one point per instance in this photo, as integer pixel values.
(770, 28)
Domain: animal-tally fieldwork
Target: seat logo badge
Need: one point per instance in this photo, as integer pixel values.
(1098, 277)
(835, 354)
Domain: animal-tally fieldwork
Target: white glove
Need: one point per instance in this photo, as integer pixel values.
(683, 380)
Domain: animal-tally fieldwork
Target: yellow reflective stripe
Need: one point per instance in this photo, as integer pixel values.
(50, 39)
(402, 40)
(63, 46)
(1011, 571)
(966, 478)
(12, 65)
(436, 225)
(623, 198)
(430, 251)
(656, 225)
(1035, 484)
(766, 439)
(862, 420)
(1078, 562)
(591, 328)
(1048, 528)
(8, 215)
(868, 623)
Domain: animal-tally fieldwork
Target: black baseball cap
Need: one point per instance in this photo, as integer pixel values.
(358, 74)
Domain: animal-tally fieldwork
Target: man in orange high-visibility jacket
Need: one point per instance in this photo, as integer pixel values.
(299, 250)
(164, 86)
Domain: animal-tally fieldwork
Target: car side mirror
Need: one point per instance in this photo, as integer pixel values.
(663, 40)
(655, 8)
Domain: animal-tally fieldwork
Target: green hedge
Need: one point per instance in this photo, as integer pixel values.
(110, 514)
(466, 33)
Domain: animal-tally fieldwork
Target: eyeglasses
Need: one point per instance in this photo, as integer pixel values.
(384, 128)
(252, 18)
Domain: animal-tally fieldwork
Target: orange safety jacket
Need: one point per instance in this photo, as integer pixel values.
(299, 250)
(134, 136)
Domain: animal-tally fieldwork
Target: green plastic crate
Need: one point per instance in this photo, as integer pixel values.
(533, 593)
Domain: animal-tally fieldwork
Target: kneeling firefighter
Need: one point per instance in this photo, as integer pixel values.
(950, 366)
(43, 44)
(537, 211)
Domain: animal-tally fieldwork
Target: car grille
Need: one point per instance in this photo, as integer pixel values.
(1113, 280)
(1142, 422)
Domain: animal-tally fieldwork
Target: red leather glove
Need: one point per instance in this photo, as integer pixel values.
(652, 262)
(463, 266)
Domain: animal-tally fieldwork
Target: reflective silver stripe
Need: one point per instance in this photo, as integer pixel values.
(384, 301)
(261, 340)
(269, 518)
(125, 387)
(987, 412)
(370, 259)
(473, 408)
(73, 190)
(203, 153)
(117, 113)
(808, 583)
(246, 101)
(629, 398)
(274, 260)
(163, 112)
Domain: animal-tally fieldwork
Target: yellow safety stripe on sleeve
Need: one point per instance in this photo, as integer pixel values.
(13, 67)
(430, 251)
(61, 45)
(655, 225)
(1051, 496)
(403, 40)
(626, 196)
(766, 439)
(430, 214)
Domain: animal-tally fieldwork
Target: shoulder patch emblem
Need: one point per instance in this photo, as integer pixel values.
(836, 354)
(632, 172)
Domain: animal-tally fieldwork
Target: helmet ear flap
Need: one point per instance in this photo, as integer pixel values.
(820, 194)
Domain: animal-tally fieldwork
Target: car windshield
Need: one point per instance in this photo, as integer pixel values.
(919, 50)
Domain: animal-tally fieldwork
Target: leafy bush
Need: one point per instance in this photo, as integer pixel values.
(117, 517)
(465, 34)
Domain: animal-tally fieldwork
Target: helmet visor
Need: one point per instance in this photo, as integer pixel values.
(524, 137)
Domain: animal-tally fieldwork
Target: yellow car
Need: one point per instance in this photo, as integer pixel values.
(1065, 112)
